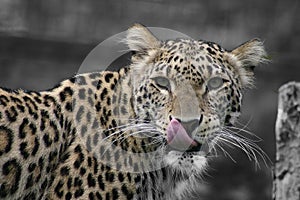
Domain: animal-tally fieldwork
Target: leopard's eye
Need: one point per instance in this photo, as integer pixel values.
(162, 83)
(215, 83)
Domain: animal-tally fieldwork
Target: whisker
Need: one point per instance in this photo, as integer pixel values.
(126, 127)
(233, 130)
(247, 145)
(239, 145)
(225, 152)
(246, 124)
(134, 128)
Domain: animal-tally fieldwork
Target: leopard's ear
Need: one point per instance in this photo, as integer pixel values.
(140, 39)
(245, 58)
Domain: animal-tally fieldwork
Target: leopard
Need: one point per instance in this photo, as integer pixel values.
(144, 131)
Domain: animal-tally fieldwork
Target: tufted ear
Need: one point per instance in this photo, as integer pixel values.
(139, 39)
(246, 57)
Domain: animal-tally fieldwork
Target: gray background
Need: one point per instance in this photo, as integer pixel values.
(43, 42)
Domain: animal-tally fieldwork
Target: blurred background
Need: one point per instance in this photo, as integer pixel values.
(42, 42)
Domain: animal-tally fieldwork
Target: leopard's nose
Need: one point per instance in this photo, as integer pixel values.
(190, 125)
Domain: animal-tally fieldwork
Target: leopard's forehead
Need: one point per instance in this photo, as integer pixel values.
(190, 46)
(193, 58)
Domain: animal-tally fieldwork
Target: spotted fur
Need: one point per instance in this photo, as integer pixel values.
(104, 135)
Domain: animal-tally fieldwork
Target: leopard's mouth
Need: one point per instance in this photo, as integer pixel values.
(196, 147)
(179, 140)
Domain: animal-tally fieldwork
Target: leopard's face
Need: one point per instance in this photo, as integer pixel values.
(190, 92)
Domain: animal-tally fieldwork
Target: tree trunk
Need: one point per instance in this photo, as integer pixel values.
(287, 167)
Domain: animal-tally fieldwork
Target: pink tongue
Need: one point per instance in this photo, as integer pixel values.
(177, 136)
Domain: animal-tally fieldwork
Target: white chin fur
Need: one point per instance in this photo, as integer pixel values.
(186, 162)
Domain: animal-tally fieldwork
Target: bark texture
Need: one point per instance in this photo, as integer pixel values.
(287, 167)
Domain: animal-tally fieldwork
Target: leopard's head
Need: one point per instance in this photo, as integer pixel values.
(190, 92)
